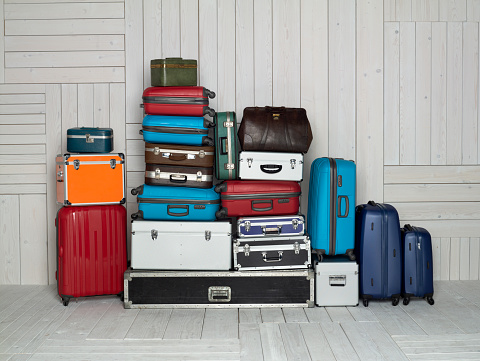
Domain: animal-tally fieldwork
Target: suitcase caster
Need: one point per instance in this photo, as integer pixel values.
(406, 301)
(395, 301)
(120, 295)
(430, 301)
(65, 301)
(365, 302)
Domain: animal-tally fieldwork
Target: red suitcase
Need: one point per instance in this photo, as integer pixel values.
(178, 100)
(258, 198)
(91, 250)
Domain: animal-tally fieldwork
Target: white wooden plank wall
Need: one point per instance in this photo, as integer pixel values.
(85, 63)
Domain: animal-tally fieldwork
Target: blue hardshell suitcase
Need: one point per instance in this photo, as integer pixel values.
(89, 140)
(378, 251)
(165, 203)
(331, 204)
(176, 130)
(417, 280)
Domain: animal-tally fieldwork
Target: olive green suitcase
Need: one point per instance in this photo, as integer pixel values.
(173, 72)
(226, 146)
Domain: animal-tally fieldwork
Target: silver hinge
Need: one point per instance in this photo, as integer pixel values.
(293, 163)
(113, 163)
(157, 173)
(208, 235)
(247, 226)
(246, 250)
(295, 223)
(154, 234)
(249, 162)
(296, 247)
(88, 139)
(76, 164)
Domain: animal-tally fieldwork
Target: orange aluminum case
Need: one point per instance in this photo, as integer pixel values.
(87, 179)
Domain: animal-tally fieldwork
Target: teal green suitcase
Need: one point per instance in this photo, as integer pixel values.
(226, 146)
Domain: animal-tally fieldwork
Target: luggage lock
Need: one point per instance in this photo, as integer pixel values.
(208, 235)
(293, 163)
(113, 163)
(76, 164)
(88, 139)
(156, 151)
(201, 154)
(199, 176)
(219, 294)
(154, 234)
(249, 162)
(157, 173)
(295, 223)
(337, 281)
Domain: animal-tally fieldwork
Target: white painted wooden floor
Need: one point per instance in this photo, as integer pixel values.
(34, 325)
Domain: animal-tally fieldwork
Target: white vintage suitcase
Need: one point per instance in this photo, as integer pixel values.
(271, 166)
(172, 245)
(336, 282)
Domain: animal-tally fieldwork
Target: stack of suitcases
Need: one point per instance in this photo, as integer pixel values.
(91, 225)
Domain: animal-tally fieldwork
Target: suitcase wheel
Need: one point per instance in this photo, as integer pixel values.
(430, 301)
(65, 301)
(406, 301)
(120, 295)
(365, 302)
(395, 301)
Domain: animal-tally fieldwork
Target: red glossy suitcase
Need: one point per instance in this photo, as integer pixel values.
(258, 198)
(178, 100)
(91, 250)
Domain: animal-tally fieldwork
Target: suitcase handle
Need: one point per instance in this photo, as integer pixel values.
(269, 208)
(222, 144)
(272, 259)
(372, 203)
(175, 214)
(408, 228)
(339, 208)
(177, 178)
(271, 168)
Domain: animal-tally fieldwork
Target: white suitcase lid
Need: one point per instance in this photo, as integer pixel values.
(141, 225)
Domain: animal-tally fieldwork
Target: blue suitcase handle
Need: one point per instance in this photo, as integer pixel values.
(339, 208)
(175, 214)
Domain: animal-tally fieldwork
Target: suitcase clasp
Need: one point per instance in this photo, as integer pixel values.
(293, 163)
(113, 163)
(156, 151)
(295, 223)
(249, 162)
(157, 173)
(296, 247)
(154, 234)
(76, 164)
(201, 154)
(246, 250)
(88, 139)
(247, 226)
(208, 235)
(199, 176)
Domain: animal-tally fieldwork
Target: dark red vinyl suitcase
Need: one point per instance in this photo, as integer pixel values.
(258, 198)
(178, 100)
(91, 250)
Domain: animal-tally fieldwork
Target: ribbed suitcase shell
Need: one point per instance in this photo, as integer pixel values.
(178, 176)
(173, 72)
(258, 198)
(417, 280)
(379, 252)
(91, 250)
(226, 146)
(270, 166)
(165, 203)
(184, 155)
(89, 140)
(178, 100)
(331, 205)
(89, 179)
(176, 130)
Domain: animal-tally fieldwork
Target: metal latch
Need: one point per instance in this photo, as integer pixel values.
(247, 226)
(88, 139)
(208, 235)
(228, 124)
(113, 163)
(199, 176)
(293, 163)
(154, 234)
(201, 154)
(157, 173)
(337, 281)
(295, 223)
(246, 250)
(60, 174)
(156, 151)
(76, 164)
(219, 294)
(249, 162)
(296, 247)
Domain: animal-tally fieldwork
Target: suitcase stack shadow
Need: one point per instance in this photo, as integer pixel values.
(91, 224)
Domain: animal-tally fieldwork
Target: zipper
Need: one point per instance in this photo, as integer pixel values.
(418, 260)
(176, 100)
(175, 130)
(333, 206)
(177, 201)
(260, 195)
(384, 250)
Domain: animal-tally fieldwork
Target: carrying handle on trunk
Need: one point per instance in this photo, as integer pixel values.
(272, 259)
(264, 209)
(177, 157)
(275, 109)
(372, 203)
(178, 178)
(339, 208)
(222, 145)
(271, 168)
(175, 214)
(408, 228)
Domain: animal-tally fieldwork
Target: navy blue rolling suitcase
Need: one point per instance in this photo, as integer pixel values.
(417, 278)
(378, 251)
(331, 204)
(176, 130)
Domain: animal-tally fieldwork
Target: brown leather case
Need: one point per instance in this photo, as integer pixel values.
(275, 129)
(184, 155)
(178, 176)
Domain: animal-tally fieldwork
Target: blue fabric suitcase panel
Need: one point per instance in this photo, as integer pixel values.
(165, 203)
(378, 251)
(176, 130)
(331, 204)
(418, 262)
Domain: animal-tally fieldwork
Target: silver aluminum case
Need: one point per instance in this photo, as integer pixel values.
(272, 251)
(336, 283)
(172, 245)
(271, 166)
(308, 274)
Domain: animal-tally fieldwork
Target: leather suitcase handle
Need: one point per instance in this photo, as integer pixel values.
(262, 209)
(175, 214)
(177, 157)
(339, 207)
(271, 168)
(178, 180)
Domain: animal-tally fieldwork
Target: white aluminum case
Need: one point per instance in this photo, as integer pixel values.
(271, 166)
(170, 245)
(336, 283)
